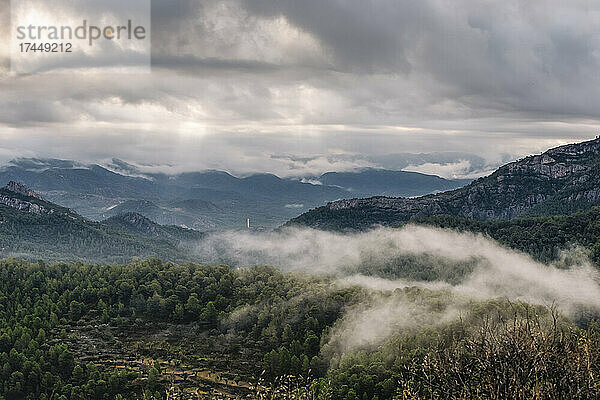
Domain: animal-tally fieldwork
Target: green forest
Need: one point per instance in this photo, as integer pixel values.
(156, 330)
(541, 237)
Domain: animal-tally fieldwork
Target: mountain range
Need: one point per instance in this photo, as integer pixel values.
(207, 200)
(518, 205)
(561, 180)
(33, 228)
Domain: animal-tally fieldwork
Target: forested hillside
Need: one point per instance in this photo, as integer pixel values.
(143, 330)
(542, 237)
(45, 307)
(33, 228)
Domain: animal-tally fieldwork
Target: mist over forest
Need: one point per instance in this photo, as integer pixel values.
(465, 265)
(317, 314)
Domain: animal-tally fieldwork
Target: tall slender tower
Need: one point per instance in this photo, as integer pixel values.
(248, 223)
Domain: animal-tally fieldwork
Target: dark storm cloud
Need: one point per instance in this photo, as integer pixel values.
(506, 55)
(300, 87)
(364, 35)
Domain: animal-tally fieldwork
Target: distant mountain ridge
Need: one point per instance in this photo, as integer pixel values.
(205, 200)
(559, 181)
(389, 183)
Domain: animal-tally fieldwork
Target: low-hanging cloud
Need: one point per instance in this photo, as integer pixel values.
(368, 325)
(493, 271)
(483, 270)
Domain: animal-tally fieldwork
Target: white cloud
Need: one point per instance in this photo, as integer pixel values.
(294, 205)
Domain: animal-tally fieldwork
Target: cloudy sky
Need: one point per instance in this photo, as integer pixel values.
(299, 87)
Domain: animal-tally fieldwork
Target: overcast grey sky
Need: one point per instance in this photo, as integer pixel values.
(298, 87)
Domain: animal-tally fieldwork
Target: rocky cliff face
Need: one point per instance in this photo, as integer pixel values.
(17, 187)
(23, 205)
(20, 197)
(561, 180)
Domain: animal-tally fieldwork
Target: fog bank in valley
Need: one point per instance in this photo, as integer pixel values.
(486, 270)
